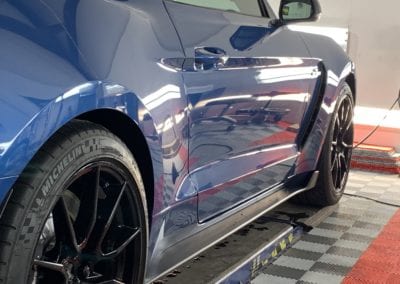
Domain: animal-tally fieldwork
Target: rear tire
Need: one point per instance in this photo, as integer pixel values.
(335, 159)
(78, 211)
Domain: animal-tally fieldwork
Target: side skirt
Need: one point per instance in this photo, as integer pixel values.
(212, 232)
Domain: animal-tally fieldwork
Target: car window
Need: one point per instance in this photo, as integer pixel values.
(247, 7)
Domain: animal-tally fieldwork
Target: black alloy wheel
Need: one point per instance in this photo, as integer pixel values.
(342, 144)
(335, 159)
(81, 213)
(90, 233)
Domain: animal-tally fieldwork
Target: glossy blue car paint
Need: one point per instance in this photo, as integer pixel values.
(220, 99)
(246, 111)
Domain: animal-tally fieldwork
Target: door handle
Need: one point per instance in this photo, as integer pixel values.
(206, 51)
(209, 58)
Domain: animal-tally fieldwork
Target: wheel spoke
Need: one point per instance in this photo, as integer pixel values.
(110, 219)
(345, 169)
(345, 113)
(346, 146)
(342, 182)
(94, 278)
(334, 161)
(63, 225)
(339, 173)
(341, 114)
(334, 145)
(112, 282)
(122, 247)
(349, 123)
(337, 126)
(95, 200)
(345, 164)
(57, 267)
(343, 161)
(335, 169)
(49, 265)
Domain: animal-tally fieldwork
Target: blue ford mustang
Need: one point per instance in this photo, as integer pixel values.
(136, 133)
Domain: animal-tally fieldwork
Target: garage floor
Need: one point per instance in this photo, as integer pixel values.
(358, 243)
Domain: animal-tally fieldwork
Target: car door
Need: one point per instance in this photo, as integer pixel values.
(247, 84)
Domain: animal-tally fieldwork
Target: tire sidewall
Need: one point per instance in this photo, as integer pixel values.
(49, 186)
(325, 180)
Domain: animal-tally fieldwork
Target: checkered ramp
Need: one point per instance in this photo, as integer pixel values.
(329, 251)
(382, 187)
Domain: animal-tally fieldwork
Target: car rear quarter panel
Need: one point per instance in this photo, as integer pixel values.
(338, 69)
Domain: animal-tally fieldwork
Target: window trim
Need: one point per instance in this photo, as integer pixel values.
(269, 11)
(265, 14)
(263, 9)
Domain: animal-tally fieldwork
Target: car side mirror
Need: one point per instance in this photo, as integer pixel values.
(299, 11)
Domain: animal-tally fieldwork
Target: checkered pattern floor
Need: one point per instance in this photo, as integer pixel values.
(329, 251)
(385, 188)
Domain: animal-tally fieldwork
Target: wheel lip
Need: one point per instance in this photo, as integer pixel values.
(339, 185)
(108, 164)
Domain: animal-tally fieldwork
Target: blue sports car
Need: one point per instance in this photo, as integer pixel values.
(136, 133)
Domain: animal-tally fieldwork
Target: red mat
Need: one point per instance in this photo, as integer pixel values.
(376, 158)
(380, 263)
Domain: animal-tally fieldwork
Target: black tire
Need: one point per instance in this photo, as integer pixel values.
(338, 143)
(79, 205)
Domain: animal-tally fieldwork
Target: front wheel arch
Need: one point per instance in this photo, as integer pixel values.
(129, 132)
(42, 181)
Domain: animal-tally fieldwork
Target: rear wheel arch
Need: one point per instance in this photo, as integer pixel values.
(351, 81)
(129, 132)
(334, 161)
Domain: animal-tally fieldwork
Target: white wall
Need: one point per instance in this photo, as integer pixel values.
(374, 45)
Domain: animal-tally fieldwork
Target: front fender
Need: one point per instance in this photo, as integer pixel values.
(19, 144)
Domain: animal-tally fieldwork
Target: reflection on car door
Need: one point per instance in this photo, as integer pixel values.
(247, 86)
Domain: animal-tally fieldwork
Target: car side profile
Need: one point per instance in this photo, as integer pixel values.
(135, 134)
